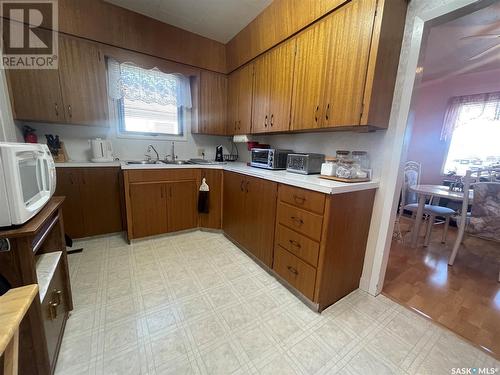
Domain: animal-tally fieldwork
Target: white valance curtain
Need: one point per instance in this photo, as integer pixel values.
(462, 109)
(126, 80)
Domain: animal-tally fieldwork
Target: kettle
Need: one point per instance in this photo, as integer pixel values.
(102, 150)
(219, 153)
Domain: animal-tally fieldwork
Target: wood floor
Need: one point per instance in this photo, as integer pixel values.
(464, 298)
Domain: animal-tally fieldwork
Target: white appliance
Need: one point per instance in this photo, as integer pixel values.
(102, 150)
(27, 181)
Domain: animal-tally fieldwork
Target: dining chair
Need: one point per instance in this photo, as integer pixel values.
(484, 219)
(409, 202)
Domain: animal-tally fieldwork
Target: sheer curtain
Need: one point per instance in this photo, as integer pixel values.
(126, 80)
(462, 109)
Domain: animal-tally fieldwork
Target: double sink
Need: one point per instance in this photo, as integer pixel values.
(173, 162)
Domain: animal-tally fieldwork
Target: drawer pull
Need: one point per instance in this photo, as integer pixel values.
(298, 199)
(295, 243)
(293, 270)
(53, 310)
(58, 294)
(297, 220)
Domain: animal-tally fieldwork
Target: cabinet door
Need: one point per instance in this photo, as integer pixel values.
(182, 205)
(260, 212)
(232, 104)
(281, 79)
(148, 203)
(234, 215)
(244, 108)
(100, 194)
(213, 103)
(309, 76)
(347, 65)
(261, 91)
(214, 217)
(83, 82)
(68, 185)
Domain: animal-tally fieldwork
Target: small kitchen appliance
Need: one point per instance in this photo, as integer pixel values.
(27, 181)
(305, 163)
(219, 154)
(269, 158)
(102, 150)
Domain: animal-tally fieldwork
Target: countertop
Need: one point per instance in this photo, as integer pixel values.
(310, 182)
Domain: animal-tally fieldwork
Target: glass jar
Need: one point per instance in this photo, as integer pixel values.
(361, 158)
(329, 167)
(346, 169)
(343, 154)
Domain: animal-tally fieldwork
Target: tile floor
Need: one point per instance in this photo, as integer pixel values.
(195, 304)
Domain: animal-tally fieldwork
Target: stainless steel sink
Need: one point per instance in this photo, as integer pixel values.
(176, 162)
(142, 162)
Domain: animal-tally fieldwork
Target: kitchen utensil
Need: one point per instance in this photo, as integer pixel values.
(102, 150)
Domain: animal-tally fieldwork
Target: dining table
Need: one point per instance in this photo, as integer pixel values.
(436, 191)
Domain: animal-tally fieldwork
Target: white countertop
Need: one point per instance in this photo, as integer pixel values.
(86, 164)
(46, 265)
(310, 182)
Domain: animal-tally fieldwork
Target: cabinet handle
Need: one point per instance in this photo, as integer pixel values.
(70, 111)
(58, 294)
(239, 124)
(293, 270)
(272, 117)
(298, 199)
(265, 122)
(295, 243)
(53, 310)
(316, 114)
(161, 192)
(56, 108)
(241, 185)
(246, 188)
(297, 220)
(327, 111)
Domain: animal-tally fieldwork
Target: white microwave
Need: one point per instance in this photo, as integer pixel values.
(27, 181)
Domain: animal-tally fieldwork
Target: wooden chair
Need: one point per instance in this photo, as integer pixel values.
(13, 306)
(409, 202)
(484, 220)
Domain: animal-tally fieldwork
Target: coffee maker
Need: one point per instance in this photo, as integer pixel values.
(219, 155)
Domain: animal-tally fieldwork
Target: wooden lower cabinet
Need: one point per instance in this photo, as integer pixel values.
(148, 206)
(295, 271)
(182, 205)
(92, 205)
(213, 219)
(249, 213)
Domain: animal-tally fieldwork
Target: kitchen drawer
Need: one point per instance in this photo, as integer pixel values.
(295, 271)
(156, 175)
(305, 199)
(54, 312)
(301, 246)
(301, 221)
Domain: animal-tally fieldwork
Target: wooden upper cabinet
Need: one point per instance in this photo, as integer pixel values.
(347, 63)
(309, 77)
(240, 100)
(83, 82)
(213, 103)
(272, 93)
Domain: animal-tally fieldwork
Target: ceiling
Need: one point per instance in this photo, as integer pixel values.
(447, 54)
(219, 20)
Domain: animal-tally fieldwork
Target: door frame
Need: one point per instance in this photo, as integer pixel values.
(402, 120)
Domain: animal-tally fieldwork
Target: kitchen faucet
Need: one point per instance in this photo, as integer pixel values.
(151, 148)
(172, 152)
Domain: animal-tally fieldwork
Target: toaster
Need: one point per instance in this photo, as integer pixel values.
(305, 163)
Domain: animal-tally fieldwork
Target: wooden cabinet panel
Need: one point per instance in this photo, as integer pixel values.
(233, 219)
(299, 245)
(259, 216)
(100, 194)
(280, 96)
(240, 100)
(156, 175)
(83, 82)
(68, 185)
(309, 76)
(213, 103)
(305, 199)
(214, 217)
(261, 94)
(232, 104)
(182, 205)
(148, 203)
(297, 272)
(347, 63)
(301, 221)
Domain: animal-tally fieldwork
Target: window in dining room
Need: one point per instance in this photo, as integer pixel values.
(472, 128)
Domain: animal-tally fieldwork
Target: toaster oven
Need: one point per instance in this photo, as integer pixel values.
(269, 158)
(305, 163)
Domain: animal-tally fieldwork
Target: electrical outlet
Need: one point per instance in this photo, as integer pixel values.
(201, 151)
